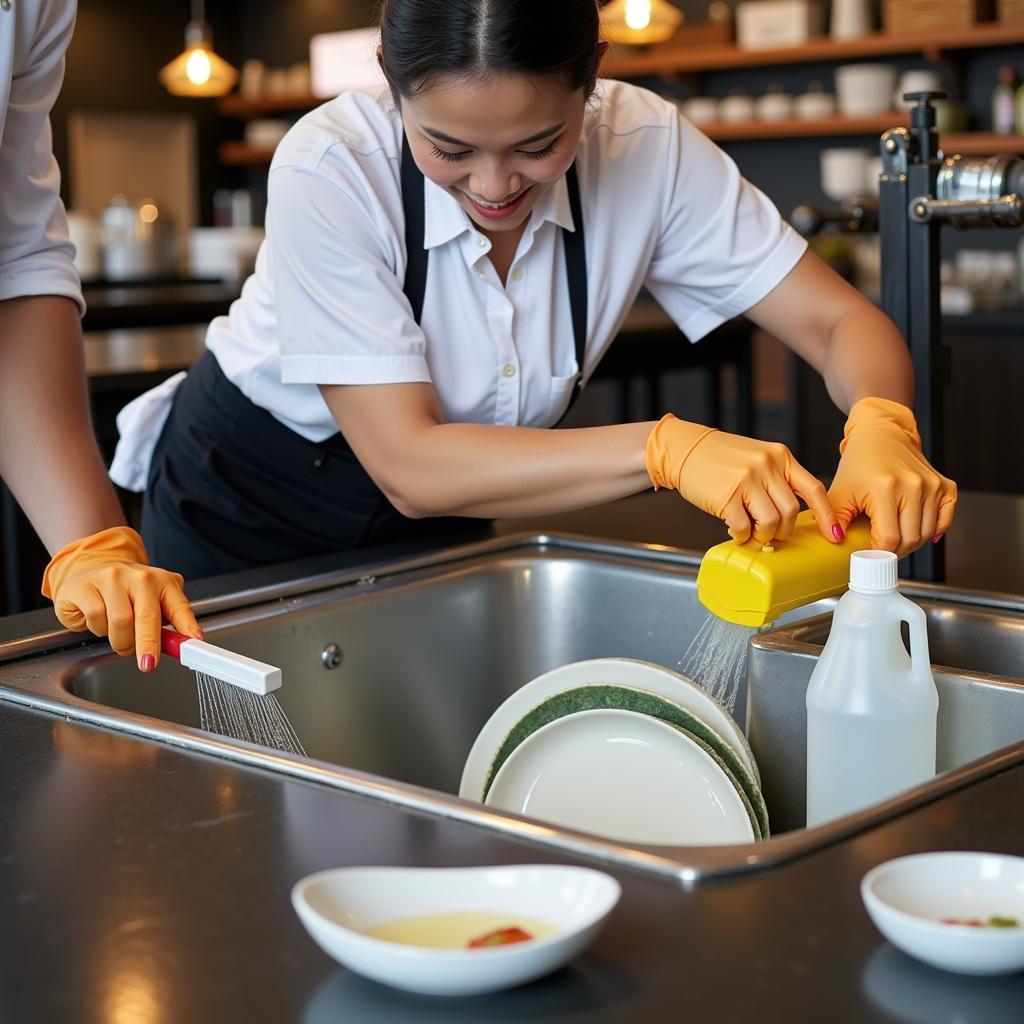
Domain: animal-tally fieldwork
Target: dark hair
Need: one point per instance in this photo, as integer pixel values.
(423, 38)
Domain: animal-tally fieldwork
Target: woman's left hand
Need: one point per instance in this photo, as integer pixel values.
(883, 473)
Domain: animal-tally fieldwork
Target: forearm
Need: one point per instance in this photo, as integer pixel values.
(48, 454)
(865, 357)
(487, 471)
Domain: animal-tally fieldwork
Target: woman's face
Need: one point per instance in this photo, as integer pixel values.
(495, 144)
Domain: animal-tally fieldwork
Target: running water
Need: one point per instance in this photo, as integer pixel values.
(716, 660)
(243, 715)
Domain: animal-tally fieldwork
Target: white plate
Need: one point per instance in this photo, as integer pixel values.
(908, 898)
(338, 907)
(640, 675)
(624, 776)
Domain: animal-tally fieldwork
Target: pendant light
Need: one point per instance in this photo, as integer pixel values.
(639, 21)
(198, 71)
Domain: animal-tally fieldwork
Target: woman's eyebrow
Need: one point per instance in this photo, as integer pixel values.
(451, 140)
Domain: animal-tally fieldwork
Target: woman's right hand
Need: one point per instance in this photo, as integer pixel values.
(752, 486)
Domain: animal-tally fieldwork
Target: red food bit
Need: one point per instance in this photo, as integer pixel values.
(501, 937)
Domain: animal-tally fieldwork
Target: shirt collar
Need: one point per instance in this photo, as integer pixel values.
(445, 219)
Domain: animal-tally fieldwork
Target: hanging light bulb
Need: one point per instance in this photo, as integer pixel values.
(639, 21)
(198, 71)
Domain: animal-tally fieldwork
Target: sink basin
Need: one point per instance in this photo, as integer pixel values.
(977, 655)
(391, 670)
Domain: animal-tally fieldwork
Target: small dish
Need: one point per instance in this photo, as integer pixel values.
(911, 898)
(625, 776)
(641, 675)
(340, 906)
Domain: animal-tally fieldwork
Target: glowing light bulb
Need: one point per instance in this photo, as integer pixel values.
(198, 67)
(638, 14)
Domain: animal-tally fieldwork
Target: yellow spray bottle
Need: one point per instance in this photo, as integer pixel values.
(753, 584)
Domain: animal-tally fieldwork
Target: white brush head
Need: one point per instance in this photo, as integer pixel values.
(236, 669)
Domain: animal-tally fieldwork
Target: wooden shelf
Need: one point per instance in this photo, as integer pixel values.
(791, 128)
(245, 108)
(241, 154)
(669, 58)
(982, 144)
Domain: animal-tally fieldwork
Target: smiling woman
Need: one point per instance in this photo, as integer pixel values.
(446, 262)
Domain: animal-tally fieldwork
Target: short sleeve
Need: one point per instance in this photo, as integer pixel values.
(723, 245)
(342, 317)
(36, 254)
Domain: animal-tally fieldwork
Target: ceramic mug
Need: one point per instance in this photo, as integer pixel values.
(843, 172)
(865, 89)
(850, 18)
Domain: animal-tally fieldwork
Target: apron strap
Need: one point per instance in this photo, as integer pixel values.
(417, 256)
(413, 187)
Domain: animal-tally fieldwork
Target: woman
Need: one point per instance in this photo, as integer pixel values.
(444, 265)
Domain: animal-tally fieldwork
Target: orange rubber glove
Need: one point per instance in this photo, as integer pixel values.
(752, 485)
(104, 583)
(884, 474)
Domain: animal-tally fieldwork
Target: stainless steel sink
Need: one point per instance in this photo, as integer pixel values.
(425, 649)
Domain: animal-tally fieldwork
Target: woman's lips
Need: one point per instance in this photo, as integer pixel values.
(500, 212)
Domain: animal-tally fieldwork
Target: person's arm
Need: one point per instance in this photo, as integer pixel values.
(427, 467)
(864, 361)
(48, 456)
(98, 577)
(846, 338)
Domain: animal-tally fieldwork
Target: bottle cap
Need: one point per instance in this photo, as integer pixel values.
(873, 572)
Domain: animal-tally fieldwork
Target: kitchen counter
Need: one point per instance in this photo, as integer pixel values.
(139, 882)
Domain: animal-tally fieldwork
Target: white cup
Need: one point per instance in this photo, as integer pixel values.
(843, 172)
(850, 18)
(921, 80)
(865, 89)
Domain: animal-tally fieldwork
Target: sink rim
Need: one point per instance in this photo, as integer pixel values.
(51, 692)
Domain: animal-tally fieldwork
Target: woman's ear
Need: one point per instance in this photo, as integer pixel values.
(380, 56)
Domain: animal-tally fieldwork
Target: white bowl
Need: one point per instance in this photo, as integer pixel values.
(339, 907)
(908, 898)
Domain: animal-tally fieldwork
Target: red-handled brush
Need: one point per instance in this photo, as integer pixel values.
(236, 669)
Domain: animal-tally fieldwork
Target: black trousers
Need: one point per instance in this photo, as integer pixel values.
(232, 488)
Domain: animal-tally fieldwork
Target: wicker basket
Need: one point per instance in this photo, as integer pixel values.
(937, 15)
(1011, 10)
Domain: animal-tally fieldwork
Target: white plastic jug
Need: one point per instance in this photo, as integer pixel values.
(871, 708)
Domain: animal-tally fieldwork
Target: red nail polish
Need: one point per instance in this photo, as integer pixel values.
(937, 538)
(148, 663)
(837, 532)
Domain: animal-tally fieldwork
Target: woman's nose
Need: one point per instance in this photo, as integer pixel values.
(495, 185)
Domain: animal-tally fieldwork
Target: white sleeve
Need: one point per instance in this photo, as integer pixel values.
(36, 255)
(342, 317)
(723, 245)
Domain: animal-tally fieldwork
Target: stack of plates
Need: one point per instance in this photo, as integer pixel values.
(623, 749)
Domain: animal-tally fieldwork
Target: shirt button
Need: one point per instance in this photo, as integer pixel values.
(517, 274)
(509, 370)
(482, 242)
(480, 274)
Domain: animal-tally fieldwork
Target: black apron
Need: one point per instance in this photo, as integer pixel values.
(231, 487)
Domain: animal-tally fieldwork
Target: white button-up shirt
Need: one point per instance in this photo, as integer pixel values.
(662, 207)
(35, 252)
